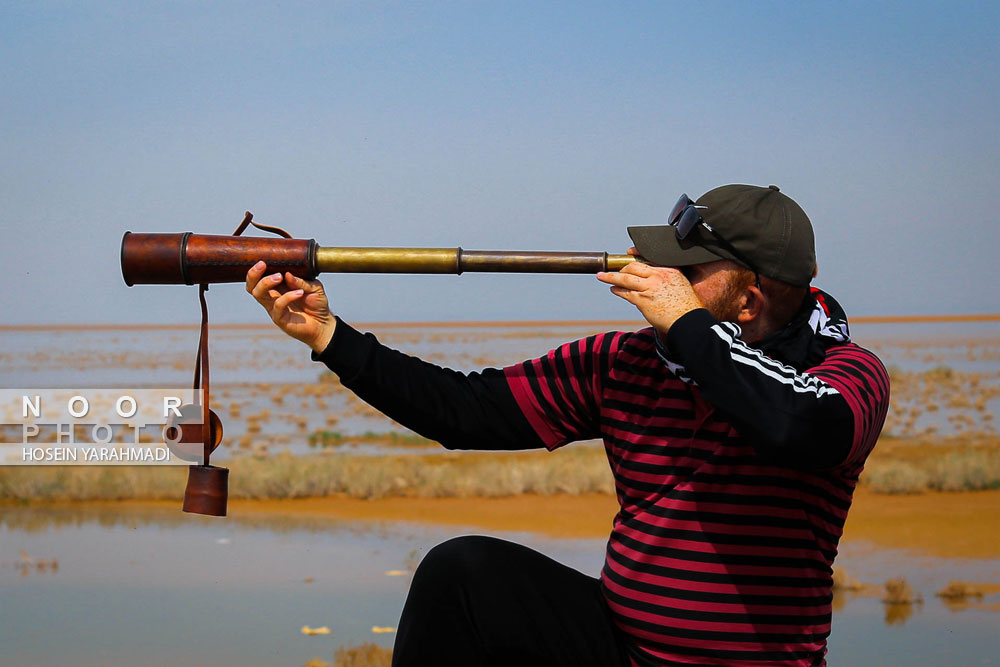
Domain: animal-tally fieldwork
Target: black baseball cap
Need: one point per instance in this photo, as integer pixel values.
(763, 224)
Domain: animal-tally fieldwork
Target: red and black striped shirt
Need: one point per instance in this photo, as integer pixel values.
(734, 472)
(722, 551)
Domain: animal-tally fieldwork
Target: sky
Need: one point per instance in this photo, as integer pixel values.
(492, 126)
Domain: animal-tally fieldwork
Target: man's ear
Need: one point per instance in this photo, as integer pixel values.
(752, 306)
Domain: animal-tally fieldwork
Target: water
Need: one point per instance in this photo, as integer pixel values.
(157, 587)
(271, 396)
(268, 392)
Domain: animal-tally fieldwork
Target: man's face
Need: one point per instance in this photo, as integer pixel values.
(719, 285)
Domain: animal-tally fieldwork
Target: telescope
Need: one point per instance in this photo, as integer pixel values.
(193, 259)
(201, 259)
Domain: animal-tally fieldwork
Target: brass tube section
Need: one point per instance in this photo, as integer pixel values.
(456, 260)
(618, 262)
(387, 260)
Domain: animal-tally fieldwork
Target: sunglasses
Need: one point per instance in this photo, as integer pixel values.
(684, 217)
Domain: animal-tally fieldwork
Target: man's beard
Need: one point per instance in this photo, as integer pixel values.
(726, 306)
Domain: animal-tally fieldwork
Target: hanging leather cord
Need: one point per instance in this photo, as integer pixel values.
(201, 380)
(201, 367)
(248, 220)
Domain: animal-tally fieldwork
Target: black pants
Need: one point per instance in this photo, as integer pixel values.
(483, 601)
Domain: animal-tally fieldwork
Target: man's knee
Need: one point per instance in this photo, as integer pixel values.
(458, 559)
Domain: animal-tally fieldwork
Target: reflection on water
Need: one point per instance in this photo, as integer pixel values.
(869, 631)
(34, 519)
(122, 585)
(156, 586)
(899, 613)
(159, 587)
(26, 565)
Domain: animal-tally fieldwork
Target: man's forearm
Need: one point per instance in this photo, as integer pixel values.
(459, 410)
(794, 416)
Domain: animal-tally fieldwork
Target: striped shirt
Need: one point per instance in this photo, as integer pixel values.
(721, 552)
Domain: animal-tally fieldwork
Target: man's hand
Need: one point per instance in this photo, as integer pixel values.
(661, 294)
(299, 307)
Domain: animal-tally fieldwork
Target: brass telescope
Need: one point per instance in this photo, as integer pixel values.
(200, 259)
(192, 259)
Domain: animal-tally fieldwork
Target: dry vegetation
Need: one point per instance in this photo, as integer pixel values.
(897, 466)
(942, 399)
(365, 655)
(941, 464)
(326, 438)
(939, 434)
(575, 470)
(900, 601)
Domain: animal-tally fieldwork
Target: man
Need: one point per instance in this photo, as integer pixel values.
(736, 428)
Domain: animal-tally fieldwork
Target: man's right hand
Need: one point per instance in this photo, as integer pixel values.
(299, 307)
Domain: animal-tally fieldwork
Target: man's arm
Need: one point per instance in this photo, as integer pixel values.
(826, 416)
(474, 411)
(459, 410)
(823, 417)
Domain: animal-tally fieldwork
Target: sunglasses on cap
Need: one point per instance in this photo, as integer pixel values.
(685, 216)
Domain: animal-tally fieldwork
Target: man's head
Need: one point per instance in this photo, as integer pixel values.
(755, 239)
(759, 228)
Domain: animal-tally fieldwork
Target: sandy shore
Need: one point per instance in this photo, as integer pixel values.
(948, 525)
(587, 515)
(486, 324)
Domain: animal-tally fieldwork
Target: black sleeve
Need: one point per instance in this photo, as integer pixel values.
(459, 410)
(792, 417)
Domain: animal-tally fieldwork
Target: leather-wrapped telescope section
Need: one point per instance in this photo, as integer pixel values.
(191, 259)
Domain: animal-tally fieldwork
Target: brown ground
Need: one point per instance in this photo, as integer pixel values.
(948, 525)
(879, 319)
(587, 515)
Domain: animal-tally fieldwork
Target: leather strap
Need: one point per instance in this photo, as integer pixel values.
(248, 220)
(201, 379)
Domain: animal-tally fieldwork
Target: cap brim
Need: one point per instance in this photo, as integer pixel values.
(658, 244)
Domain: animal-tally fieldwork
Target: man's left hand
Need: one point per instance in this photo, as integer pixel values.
(660, 293)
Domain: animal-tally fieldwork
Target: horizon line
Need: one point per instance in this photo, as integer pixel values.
(474, 324)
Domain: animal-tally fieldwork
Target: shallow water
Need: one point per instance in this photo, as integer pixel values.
(158, 587)
(271, 396)
(161, 587)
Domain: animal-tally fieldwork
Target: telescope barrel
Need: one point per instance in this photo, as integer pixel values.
(189, 259)
(192, 259)
(457, 260)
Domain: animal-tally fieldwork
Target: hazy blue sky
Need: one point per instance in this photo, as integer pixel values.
(492, 125)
